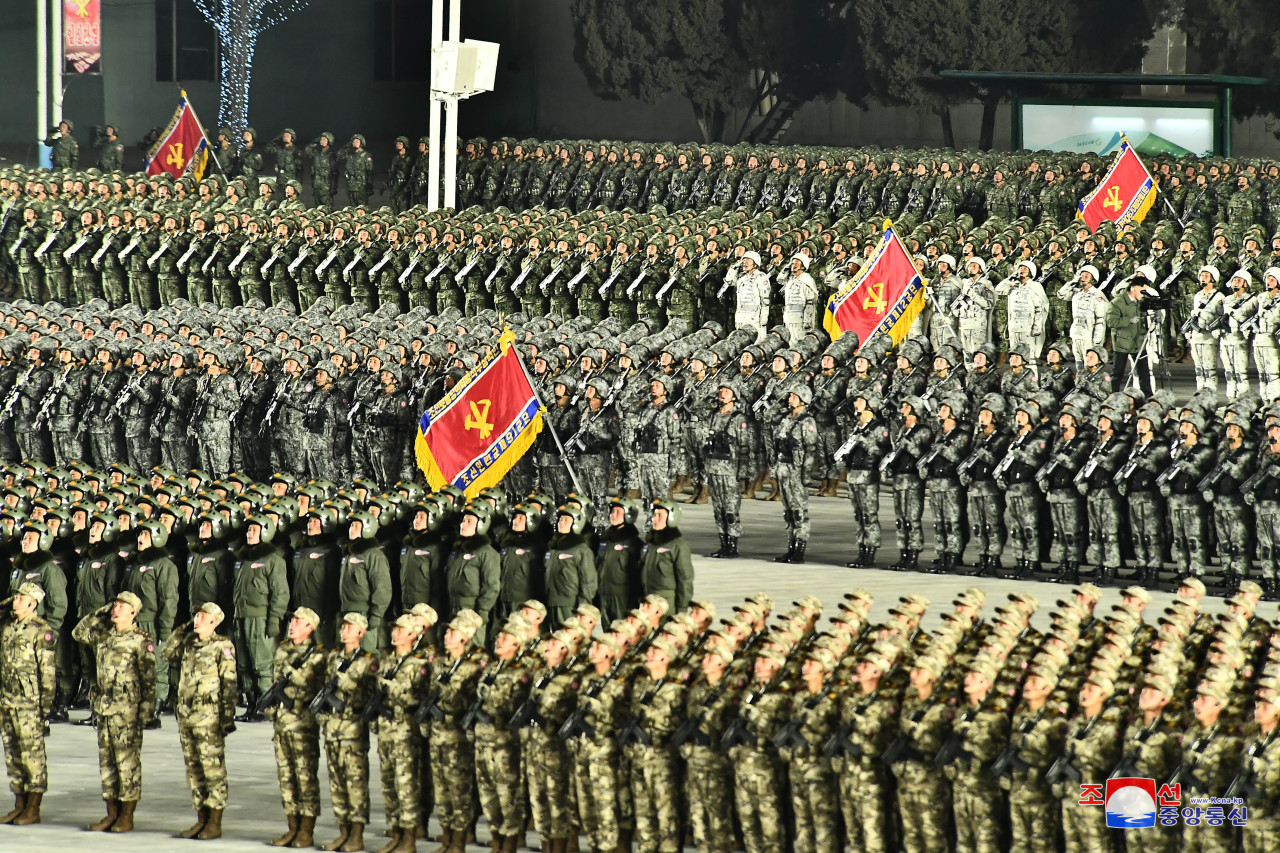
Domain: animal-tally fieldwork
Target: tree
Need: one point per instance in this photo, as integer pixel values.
(795, 44)
(1229, 37)
(238, 24)
(650, 50)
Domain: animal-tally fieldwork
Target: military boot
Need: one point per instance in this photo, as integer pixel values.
(202, 817)
(344, 831)
(797, 552)
(774, 494)
(306, 832)
(213, 829)
(1072, 573)
(19, 805)
(859, 561)
(289, 834)
(913, 561)
(124, 823)
(409, 840)
(397, 834)
(31, 813)
(510, 844)
(791, 550)
(733, 546)
(58, 714)
(250, 714)
(113, 814)
(355, 839)
(724, 546)
(91, 720)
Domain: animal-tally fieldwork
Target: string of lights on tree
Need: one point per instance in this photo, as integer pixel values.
(238, 24)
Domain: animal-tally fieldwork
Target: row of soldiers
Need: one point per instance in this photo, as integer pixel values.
(648, 414)
(1008, 282)
(985, 733)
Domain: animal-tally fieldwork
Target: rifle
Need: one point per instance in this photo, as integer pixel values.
(843, 450)
(377, 705)
(244, 250)
(217, 247)
(1211, 479)
(759, 405)
(528, 710)
(127, 395)
(475, 713)
(889, 458)
(1008, 759)
(325, 702)
(644, 271)
(275, 694)
(275, 256)
(1090, 465)
(1249, 486)
(1047, 469)
(12, 400)
(1062, 768)
(48, 241)
(738, 732)
(577, 723)
(46, 406)
(1245, 782)
(355, 259)
(430, 707)
(633, 730)
(954, 744)
(1128, 764)
(96, 260)
(1183, 770)
(164, 247)
(789, 734)
(691, 728)
(302, 256)
(273, 407)
(74, 247)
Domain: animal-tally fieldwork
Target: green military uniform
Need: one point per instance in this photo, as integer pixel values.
(124, 698)
(364, 587)
(205, 709)
(976, 797)
(708, 773)
(1092, 747)
(1212, 757)
(153, 577)
(598, 765)
(66, 151)
(548, 771)
(259, 597)
(1036, 739)
(923, 793)
(814, 789)
(1152, 750)
(867, 720)
(1262, 759)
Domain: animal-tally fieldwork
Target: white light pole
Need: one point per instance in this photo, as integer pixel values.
(451, 117)
(42, 70)
(55, 60)
(433, 116)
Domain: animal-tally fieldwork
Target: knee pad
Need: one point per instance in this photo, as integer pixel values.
(730, 518)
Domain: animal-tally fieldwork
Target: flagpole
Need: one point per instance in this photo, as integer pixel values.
(205, 134)
(546, 424)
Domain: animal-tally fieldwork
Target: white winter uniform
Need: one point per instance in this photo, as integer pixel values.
(1028, 311)
(800, 295)
(1088, 318)
(752, 304)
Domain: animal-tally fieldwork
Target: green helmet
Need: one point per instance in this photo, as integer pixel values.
(264, 524)
(579, 518)
(482, 514)
(368, 524)
(159, 533)
(672, 508)
(629, 506)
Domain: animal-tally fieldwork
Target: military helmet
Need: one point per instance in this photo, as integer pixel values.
(266, 527)
(576, 513)
(368, 524)
(482, 514)
(41, 529)
(159, 533)
(326, 515)
(629, 506)
(109, 525)
(804, 393)
(672, 508)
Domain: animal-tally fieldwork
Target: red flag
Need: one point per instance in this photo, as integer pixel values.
(483, 425)
(1126, 192)
(182, 149)
(885, 298)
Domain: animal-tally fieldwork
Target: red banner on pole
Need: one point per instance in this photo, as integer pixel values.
(1126, 192)
(81, 36)
(885, 298)
(182, 149)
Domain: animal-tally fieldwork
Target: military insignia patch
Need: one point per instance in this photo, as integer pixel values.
(151, 649)
(228, 652)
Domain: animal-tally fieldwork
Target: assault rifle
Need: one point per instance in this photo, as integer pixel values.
(577, 723)
(528, 710)
(275, 693)
(430, 707)
(1128, 764)
(789, 734)
(738, 732)
(12, 400)
(1245, 782)
(953, 746)
(326, 700)
(633, 731)
(1062, 768)
(1008, 761)
(46, 407)
(475, 713)
(377, 706)
(1183, 773)
(691, 728)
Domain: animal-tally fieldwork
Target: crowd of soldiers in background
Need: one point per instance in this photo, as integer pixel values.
(668, 725)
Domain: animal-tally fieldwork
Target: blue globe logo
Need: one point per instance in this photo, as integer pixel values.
(1131, 807)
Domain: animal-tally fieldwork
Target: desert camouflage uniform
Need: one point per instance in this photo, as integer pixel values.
(346, 735)
(206, 706)
(27, 686)
(296, 733)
